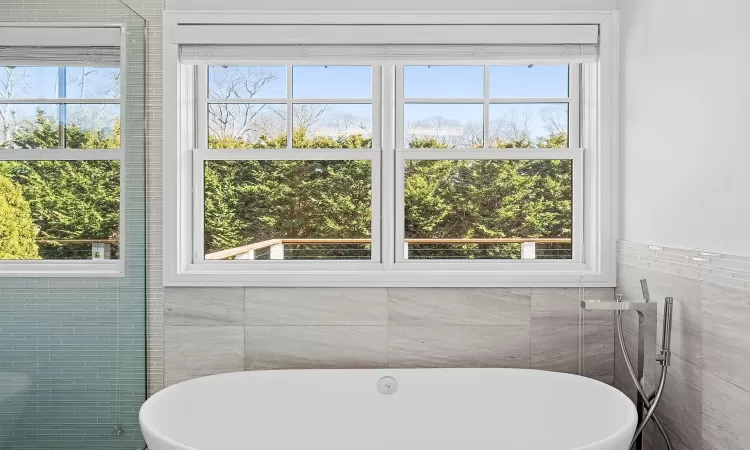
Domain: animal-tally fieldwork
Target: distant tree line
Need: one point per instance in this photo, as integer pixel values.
(252, 201)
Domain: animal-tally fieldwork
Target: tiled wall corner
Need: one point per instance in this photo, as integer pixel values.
(707, 397)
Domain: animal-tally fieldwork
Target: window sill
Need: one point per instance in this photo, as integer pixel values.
(514, 275)
(62, 269)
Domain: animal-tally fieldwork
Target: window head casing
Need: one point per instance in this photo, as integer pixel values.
(349, 212)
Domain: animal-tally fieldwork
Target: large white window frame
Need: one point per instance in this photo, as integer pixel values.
(202, 154)
(403, 153)
(594, 168)
(71, 34)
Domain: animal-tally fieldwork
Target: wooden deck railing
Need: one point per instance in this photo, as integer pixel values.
(100, 248)
(276, 246)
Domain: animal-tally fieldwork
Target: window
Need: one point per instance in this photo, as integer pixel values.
(60, 154)
(288, 170)
(497, 207)
(387, 163)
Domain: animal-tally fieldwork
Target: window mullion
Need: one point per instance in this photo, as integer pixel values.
(399, 107)
(491, 153)
(289, 106)
(387, 115)
(397, 165)
(574, 106)
(201, 113)
(62, 116)
(289, 155)
(486, 108)
(59, 100)
(57, 154)
(198, 195)
(376, 225)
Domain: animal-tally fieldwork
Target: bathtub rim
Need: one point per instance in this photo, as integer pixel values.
(622, 429)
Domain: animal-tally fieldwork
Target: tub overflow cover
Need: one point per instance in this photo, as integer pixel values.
(387, 385)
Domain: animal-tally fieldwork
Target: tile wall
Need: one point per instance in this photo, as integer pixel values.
(216, 330)
(707, 398)
(79, 343)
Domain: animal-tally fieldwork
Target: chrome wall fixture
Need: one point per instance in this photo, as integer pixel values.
(645, 403)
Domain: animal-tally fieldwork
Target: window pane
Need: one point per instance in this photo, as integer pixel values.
(293, 204)
(529, 125)
(525, 81)
(92, 82)
(444, 81)
(92, 126)
(59, 210)
(28, 82)
(245, 125)
(246, 82)
(37, 126)
(42, 82)
(332, 126)
(29, 126)
(443, 126)
(451, 206)
(332, 81)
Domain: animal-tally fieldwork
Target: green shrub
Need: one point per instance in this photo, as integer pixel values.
(17, 230)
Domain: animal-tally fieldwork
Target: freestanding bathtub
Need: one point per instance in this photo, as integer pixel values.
(424, 409)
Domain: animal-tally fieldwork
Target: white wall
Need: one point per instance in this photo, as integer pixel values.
(685, 158)
(410, 5)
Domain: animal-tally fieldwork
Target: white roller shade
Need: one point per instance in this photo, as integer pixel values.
(235, 44)
(237, 54)
(60, 46)
(384, 34)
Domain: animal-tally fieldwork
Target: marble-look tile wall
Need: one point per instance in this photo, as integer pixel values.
(706, 403)
(215, 330)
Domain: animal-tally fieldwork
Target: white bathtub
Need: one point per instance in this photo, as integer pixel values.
(432, 409)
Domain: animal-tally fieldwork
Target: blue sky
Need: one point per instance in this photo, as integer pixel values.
(42, 82)
(45, 83)
(419, 81)
(354, 82)
(333, 81)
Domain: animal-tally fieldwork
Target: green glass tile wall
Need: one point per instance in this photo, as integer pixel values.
(73, 350)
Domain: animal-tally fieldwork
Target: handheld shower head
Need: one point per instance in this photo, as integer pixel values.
(666, 338)
(644, 290)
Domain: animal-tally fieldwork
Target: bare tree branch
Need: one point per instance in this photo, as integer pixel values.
(555, 120)
(242, 121)
(513, 127)
(13, 83)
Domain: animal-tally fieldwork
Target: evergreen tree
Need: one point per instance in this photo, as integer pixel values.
(252, 201)
(68, 199)
(17, 230)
